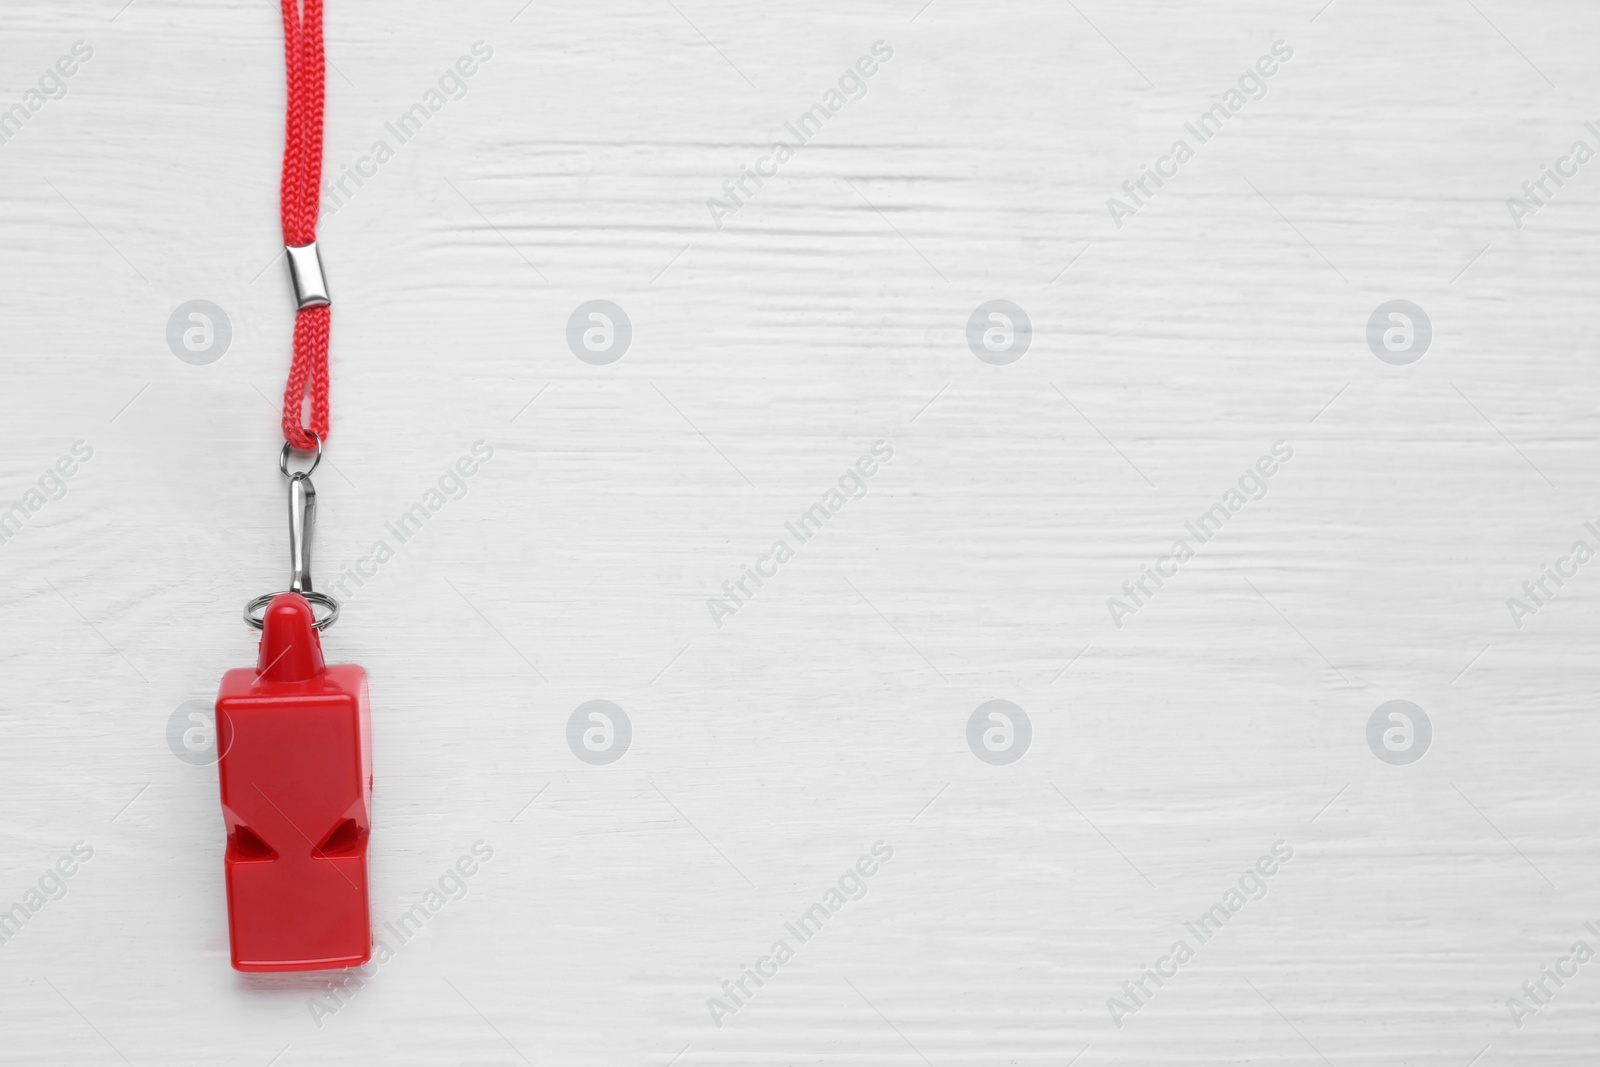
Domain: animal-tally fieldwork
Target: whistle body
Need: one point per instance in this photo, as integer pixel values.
(296, 779)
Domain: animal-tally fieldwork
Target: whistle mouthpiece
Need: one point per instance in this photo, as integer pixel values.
(291, 649)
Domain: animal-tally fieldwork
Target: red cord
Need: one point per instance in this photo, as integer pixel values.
(302, 178)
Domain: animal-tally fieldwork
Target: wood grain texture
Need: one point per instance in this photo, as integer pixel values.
(773, 747)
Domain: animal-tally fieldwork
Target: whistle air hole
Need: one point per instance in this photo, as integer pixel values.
(344, 839)
(245, 844)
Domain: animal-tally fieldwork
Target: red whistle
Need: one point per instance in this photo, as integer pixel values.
(296, 776)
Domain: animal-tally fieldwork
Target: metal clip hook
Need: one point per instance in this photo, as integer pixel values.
(302, 518)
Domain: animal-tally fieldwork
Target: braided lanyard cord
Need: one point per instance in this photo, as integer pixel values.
(302, 177)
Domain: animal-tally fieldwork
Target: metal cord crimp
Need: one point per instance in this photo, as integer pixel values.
(305, 272)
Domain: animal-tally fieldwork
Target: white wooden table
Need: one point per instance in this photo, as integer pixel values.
(1159, 742)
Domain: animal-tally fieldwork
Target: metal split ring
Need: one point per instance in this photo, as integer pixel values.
(283, 457)
(256, 610)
